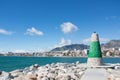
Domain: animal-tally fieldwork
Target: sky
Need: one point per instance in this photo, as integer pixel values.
(41, 25)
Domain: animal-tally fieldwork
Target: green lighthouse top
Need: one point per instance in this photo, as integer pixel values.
(95, 49)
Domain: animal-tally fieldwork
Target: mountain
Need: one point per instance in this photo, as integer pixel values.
(71, 47)
(112, 44)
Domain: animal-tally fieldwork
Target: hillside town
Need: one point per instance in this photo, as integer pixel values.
(106, 52)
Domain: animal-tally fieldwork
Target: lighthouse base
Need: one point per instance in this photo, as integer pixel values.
(94, 61)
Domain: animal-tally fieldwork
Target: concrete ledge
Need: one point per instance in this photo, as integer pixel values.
(95, 74)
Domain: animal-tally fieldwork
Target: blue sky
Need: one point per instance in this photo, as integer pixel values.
(37, 25)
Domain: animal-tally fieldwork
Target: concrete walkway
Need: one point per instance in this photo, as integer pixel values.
(95, 74)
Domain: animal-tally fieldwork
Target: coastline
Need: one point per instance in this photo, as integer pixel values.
(64, 56)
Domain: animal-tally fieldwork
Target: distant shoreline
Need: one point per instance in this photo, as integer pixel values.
(59, 56)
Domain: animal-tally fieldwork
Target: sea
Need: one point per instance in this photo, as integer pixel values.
(9, 63)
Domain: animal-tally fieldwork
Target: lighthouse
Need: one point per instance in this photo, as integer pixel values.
(95, 54)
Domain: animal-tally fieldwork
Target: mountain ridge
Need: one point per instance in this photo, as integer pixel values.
(109, 44)
(71, 47)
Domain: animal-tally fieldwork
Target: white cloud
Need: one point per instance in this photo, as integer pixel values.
(28, 51)
(32, 31)
(2, 51)
(112, 18)
(20, 51)
(5, 32)
(68, 27)
(63, 42)
(89, 39)
(86, 40)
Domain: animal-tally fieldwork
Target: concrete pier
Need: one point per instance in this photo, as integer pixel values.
(95, 74)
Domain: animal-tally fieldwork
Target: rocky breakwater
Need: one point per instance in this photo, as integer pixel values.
(62, 71)
(58, 71)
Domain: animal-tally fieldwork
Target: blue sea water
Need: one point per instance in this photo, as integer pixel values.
(9, 63)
